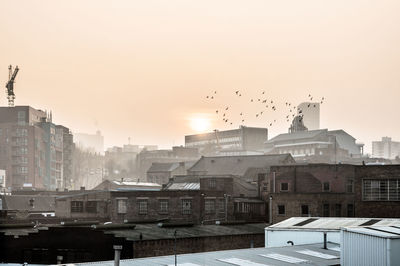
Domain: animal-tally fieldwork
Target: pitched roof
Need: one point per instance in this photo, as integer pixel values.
(22, 203)
(163, 167)
(297, 135)
(237, 165)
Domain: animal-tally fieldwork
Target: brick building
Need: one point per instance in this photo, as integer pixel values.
(323, 190)
(161, 172)
(203, 200)
(32, 148)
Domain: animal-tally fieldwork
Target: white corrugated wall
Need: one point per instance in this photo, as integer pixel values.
(363, 250)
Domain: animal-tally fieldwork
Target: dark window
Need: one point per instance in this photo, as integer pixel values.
(186, 206)
(338, 210)
(76, 206)
(121, 205)
(284, 186)
(209, 206)
(163, 205)
(91, 206)
(142, 206)
(350, 186)
(281, 209)
(304, 210)
(212, 183)
(265, 186)
(327, 187)
(326, 210)
(350, 210)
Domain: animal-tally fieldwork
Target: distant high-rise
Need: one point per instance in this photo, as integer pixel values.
(386, 148)
(31, 148)
(310, 112)
(90, 142)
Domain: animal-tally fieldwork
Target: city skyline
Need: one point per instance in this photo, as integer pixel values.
(107, 70)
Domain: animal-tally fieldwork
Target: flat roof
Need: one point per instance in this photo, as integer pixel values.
(330, 223)
(379, 231)
(309, 254)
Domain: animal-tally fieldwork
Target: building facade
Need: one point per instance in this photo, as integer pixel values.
(316, 146)
(31, 148)
(242, 141)
(323, 190)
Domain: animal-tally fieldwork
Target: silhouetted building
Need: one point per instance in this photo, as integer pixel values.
(242, 141)
(161, 172)
(121, 162)
(297, 125)
(310, 113)
(386, 148)
(178, 154)
(90, 142)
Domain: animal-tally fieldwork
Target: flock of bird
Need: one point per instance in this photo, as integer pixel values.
(267, 106)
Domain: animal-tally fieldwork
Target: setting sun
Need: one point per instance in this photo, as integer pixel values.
(200, 124)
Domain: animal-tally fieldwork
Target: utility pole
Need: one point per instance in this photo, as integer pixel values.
(175, 248)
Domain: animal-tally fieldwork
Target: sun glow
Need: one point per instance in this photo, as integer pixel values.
(200, 124)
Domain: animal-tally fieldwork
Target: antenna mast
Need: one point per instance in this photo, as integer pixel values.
(10, 85)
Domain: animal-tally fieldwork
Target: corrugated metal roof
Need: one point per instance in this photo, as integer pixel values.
(253, 256)
(330, 223)
(379, 231)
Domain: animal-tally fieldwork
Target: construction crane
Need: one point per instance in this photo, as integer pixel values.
(10, 85)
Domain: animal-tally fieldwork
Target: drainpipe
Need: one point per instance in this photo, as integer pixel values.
(117, 254)
(270, 209)
(325, 247)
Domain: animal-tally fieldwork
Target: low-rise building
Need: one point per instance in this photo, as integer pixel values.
(322, 190)
(160, 173)
(316, 146)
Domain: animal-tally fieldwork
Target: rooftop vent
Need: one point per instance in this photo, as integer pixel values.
(370, 222)
(306, 222)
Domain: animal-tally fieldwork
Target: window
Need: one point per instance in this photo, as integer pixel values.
(76, 206)
(338, 210)
(212, 183)
(284, 186)
(121, 203)
(381, 190)
(350, 210)
(325, 211)
(326, 187)
(142, 206)
(209, 206)
(163, 205)
(281, 209)
(350, 186)
(91, 206)
(304, 210)
(186, 206)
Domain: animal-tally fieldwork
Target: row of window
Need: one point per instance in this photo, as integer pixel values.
(163, 206)
(78, 206)
(304, 210)
(381, 190)
(326, 187)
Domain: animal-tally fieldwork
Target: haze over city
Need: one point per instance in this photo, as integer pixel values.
(143, 69)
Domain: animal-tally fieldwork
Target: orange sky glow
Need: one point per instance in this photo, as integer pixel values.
(143, 69)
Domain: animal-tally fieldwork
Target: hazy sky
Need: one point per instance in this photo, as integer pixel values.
(142, 69)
